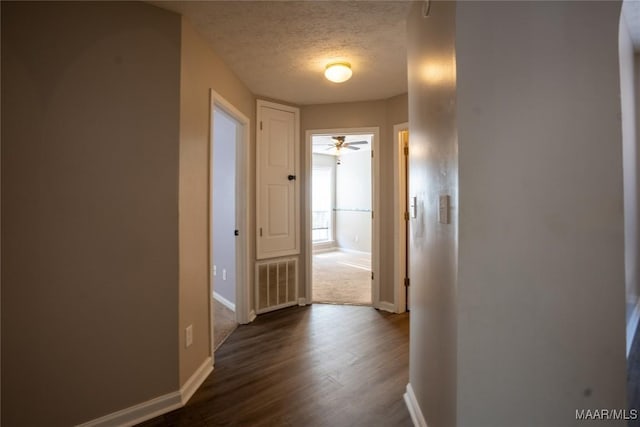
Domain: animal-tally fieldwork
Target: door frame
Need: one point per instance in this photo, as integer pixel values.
(375, 202)
(242, 210)
(400, 185)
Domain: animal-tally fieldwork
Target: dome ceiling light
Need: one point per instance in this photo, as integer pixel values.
(338, 72)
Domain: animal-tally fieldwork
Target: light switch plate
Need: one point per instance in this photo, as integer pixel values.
(443, 209)
(188, 336)
(413, 207)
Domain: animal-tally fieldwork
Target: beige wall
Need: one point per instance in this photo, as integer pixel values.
(433, 255)
(382, 114)
(201, 70)
(541, 291)
(90, 102)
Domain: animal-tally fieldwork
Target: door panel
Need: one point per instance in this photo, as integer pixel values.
(278, 218)
(277, 184)
(279, 138)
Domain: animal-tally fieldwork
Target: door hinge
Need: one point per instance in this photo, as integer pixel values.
(372, 275)
(406, 216)
(260, 231)
(372, 154)
(260, 124)
(406, 282)
(371, 214)
(236, 232)
(406, 151)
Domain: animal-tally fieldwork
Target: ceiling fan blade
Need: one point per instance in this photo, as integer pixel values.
(356, 142)
(351, 148)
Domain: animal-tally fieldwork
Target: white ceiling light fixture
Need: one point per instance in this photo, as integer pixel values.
(338, 72)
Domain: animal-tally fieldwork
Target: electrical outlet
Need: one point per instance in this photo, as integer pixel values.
(214, 270)
(224, 274)
(189, 336)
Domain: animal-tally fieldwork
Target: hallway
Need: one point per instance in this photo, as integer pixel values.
(320, 365)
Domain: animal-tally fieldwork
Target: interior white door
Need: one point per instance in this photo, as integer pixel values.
(278, 225)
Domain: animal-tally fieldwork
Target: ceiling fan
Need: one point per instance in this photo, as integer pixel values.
(340, 143)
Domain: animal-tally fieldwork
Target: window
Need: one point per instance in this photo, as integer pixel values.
(321, 206)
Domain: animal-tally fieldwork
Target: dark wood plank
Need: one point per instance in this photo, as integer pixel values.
(320, 365)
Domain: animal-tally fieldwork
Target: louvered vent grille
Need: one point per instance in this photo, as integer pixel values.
(276, 284)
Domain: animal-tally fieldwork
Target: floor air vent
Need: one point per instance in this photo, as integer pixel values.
(276, 284)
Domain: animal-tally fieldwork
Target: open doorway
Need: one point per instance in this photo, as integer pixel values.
(342, 217)
(228, 219)
(402, 214)
(226, 130)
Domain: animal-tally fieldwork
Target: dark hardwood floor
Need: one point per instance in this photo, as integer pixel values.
(320, 365)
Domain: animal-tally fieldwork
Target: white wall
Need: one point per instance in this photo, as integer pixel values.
(541, 294)
(433, 246)
(630, 165)
(225, 130)
(353, 201)
(518, 316)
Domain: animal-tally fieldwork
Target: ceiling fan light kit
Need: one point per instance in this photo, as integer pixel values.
(338, 72)
(340, 143)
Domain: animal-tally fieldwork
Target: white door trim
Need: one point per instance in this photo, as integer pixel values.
(375, 190)
(242, 210)
(399, 186)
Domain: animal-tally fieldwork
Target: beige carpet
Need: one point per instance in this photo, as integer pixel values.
(342, 278)
(224, 323)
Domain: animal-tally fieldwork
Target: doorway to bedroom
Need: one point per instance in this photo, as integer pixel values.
(341, 218)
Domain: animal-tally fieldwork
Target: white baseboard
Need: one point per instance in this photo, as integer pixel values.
(387, 306)
(152, 408)
(302, 301)
(353, 251)
(196, 380)
(252, 316)
(414, 408)
(632, 325)
(324, 247)
(138, 413)
(222, 300)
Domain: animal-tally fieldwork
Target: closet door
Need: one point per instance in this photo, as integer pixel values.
(277, 219)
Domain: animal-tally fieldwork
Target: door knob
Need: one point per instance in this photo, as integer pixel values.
(291, 177)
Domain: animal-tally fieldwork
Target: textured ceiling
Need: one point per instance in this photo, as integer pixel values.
(631, 11)
(279, 49)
